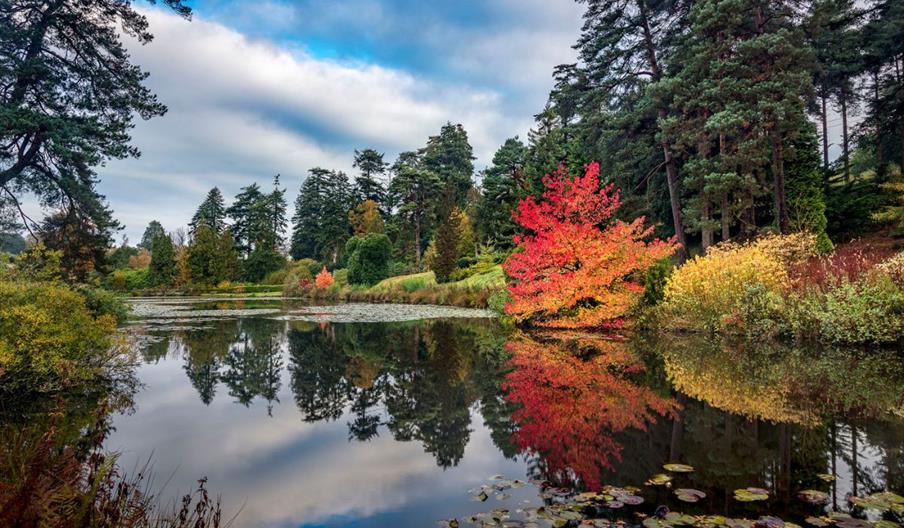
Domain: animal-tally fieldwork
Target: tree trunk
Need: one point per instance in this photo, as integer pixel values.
(671, 171)
(417, 242)
(707, 232)
(726, 219)
(825, 134)
(749, 215)
(844, 136)
(778, 177)
(880, 162)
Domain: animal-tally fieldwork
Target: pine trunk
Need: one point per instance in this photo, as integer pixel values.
(671, 170)
(844, 136)
(726, 219)
(706, 232)
(825, 134)
(778, 176)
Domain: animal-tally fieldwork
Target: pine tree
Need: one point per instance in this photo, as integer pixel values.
(451, 158)
(367, 184)
(162, 271)
(447, 241)
(320, 224)
(151, 232)
(365, 219)
(503, 185)
(249, 214)
(415, 190)
(211, 213)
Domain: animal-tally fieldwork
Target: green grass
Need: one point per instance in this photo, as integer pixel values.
(494, 278)
(408, 283)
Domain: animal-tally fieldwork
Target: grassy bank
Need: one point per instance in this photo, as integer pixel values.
(481, 290)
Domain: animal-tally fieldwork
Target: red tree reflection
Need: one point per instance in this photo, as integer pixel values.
(572, 405)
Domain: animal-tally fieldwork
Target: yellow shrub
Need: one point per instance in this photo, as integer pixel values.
(789, 249)
(713, 291)
(48, 334)
(893, 267)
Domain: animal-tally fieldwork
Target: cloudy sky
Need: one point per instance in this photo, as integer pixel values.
(277, 86)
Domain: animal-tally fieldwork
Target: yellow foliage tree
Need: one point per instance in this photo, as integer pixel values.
(366, 219)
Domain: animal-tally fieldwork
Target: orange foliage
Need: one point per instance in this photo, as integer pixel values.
(572, 407)
(324, 279)
(577, 267)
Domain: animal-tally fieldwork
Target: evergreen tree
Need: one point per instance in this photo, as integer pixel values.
(277, 207)
(84, 241)
(211, 213)
(415, 190)
(249, 215)
(320, 224)
(367, 184)
(70, 95)
(447, 242)
(450, 157)
(151, 232)
(503, 184)
(162, 270)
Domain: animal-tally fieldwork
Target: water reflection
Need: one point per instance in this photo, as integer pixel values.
(469, 399)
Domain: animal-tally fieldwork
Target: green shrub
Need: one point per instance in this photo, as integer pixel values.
(104, 302)
(49, 336)
(368, 258)
(870, 310)
(655, 280)
(496, 301)
(340, 277)
(137, 279)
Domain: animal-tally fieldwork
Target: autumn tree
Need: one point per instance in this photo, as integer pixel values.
(365, 218)
(577, 267)
(324, 279)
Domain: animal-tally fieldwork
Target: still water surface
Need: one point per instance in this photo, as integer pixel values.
(325, 417)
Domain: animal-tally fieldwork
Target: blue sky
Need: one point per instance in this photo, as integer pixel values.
(259, 88)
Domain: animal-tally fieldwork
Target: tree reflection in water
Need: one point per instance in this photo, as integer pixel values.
(582, 410)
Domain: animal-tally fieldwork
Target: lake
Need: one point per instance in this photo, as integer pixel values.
(388, 415)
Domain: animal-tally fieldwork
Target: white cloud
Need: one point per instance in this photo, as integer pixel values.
(242, 110)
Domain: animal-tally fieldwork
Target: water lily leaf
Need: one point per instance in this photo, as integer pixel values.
(813, 496)
(851, 522)
(816, 521)
(503, 496)
(882, 523)
(615, 504)
(769, 521)
(679, 519)
(713, 520)
(450, 523)
(482, 496)
(751, 494)
(689, 495)
(828, 477)
(653, 522)
(659, 479)
(633, 500)
(678, 468)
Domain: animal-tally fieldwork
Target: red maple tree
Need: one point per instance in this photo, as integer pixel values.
(577, 267)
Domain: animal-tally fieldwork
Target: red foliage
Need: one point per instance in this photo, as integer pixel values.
(847, 262)
(577, 267)
(572, 408)
(324, 279)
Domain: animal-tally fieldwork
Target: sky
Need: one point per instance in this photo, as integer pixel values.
(256, 89)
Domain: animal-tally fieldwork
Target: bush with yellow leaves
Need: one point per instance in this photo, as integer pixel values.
(735, 287)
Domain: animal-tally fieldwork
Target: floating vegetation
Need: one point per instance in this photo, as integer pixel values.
(751, 494)
(882, 502)
(827, 477)
(678, 468)
(607, 509)
(813, 496)
(659, 479)
(689, 495)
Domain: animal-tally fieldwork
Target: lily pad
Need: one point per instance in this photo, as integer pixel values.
(882, 523)
(678, 468)
(769, 521)
(659, 479)
(751, 494)
(689, 495)
(882, 502)
(827, 477)
(813, 496)
(816, 521)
